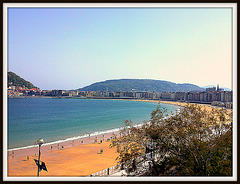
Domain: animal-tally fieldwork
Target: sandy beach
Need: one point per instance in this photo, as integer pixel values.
(80, 157)
(181, 104)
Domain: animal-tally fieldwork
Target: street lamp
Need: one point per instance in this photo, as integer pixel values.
(40, 141)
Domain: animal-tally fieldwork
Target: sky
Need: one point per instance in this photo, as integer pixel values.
(69, 48)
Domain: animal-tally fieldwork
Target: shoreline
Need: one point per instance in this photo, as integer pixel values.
(70, 139)
(66, 143)
(79, 155)
(72, 158)
(175, 103)
(179, 105)
(78, 137)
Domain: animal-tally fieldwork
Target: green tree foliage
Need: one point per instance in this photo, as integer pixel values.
(140, 85)
(195, 142)
(15, 80)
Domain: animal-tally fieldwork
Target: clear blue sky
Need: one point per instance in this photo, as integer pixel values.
(60, 48)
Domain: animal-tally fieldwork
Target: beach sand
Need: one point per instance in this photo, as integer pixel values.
(181, 104)
(208, 107)
(76, 158)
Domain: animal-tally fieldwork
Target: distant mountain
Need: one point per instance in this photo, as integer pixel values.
(226, 89)
(140, 85)
(16, 80)
(210, 86)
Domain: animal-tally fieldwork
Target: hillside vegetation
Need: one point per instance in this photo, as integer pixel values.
(15, 80)
(140, 85)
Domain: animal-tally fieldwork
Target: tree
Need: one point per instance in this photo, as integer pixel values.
(195, 142)
(129, 145)
(16, 80)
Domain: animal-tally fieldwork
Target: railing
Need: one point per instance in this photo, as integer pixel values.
(107, 172)
(142, 166)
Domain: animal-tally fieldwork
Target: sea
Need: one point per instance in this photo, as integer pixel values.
(57, 119)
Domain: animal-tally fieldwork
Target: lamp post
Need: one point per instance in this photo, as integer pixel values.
(40, 141)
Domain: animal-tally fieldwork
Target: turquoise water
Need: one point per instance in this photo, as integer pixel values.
(56, 119)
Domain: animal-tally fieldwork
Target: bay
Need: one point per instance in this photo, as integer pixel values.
(56, 119)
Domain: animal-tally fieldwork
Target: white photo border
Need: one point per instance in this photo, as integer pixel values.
(6, 6)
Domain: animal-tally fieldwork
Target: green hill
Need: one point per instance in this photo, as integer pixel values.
(15, 80)
(140, 85)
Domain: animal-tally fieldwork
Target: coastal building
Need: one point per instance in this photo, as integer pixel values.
(99, 94)
(156, 95)
(91, 93)
(201, 96)
(130, 94)
(118, 94)
(205, 97)
(172, 96)
(81, 93)
(228, 96)
(197, 96)
(110, 94)
(141, 94)
(57, 92)
(229, 105)
(144, 94)
(151, 95)
(38, 93)
(12, 87)
(210, 95)
(46, 92)
(180, 96)
(67, 93)
(211, 89)
(138, 95)
(165, 96)
(190, 96)
(74, 93)
(215, 96)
